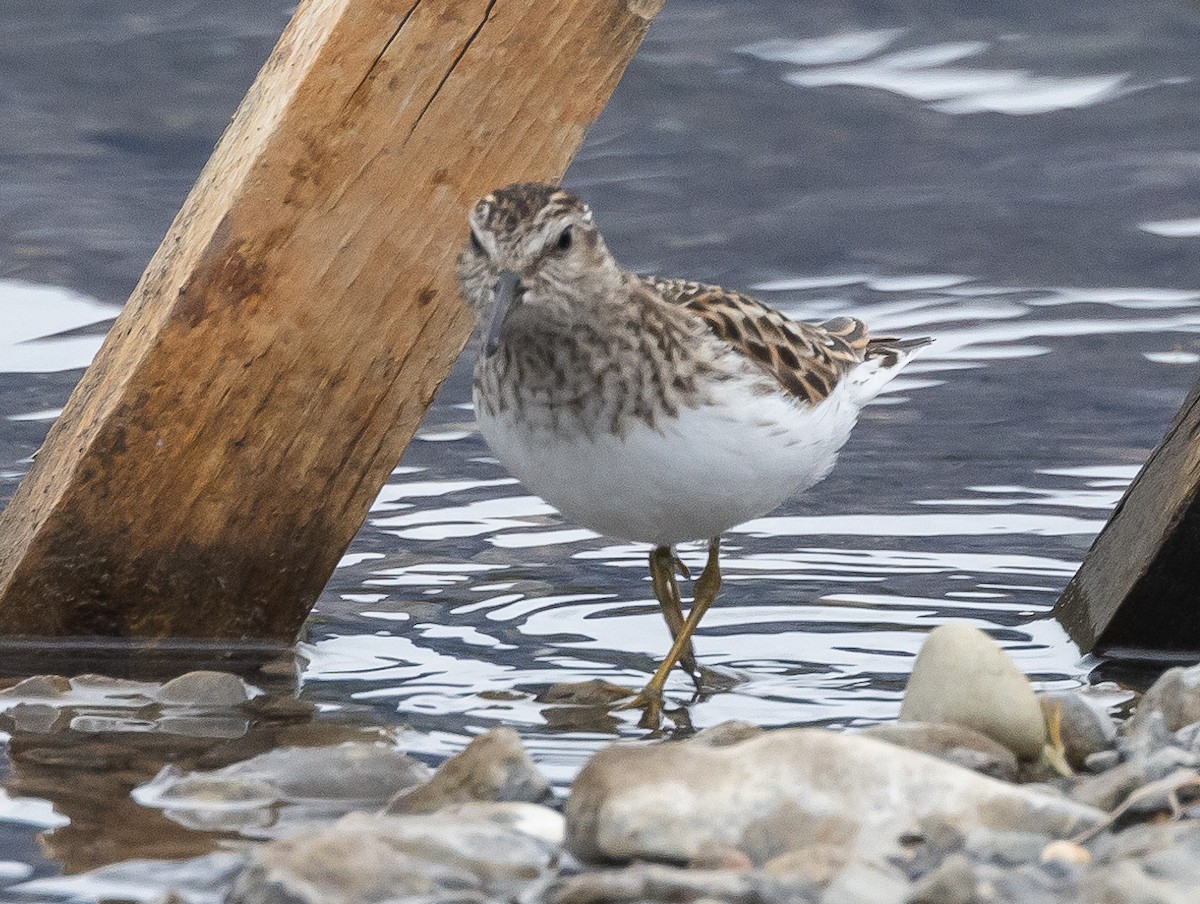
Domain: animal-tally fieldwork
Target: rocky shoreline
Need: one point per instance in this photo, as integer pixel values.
(982, 792)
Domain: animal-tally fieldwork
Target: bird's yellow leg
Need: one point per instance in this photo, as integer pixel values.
(650, 697)
(662, 575)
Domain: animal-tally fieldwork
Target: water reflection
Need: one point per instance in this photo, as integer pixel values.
(1024, 189)
(923, 73)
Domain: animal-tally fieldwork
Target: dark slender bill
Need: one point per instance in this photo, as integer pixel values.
(508, 291)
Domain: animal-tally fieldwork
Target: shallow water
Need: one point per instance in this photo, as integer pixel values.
(1020, 184)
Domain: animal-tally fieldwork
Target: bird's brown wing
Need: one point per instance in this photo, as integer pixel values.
(806, 359)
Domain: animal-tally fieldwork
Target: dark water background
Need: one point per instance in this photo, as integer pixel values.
(1020, 180)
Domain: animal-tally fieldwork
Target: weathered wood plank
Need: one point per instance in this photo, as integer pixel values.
(285, 340)
(1137, 593)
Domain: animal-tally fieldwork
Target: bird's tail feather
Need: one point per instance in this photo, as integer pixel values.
(883, 359)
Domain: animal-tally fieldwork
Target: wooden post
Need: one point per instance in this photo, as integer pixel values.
(1137, 593)
(285, 340)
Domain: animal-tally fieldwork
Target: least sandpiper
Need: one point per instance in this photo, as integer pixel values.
(653, 410)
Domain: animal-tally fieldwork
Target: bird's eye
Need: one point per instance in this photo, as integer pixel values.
(475, 243)
(565, 239)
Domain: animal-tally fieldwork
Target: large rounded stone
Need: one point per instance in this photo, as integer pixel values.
(962, 676)
(786, 790)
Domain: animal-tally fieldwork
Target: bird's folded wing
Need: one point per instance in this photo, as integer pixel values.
(806, 359)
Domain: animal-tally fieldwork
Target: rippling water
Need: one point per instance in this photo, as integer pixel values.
(1020, 183)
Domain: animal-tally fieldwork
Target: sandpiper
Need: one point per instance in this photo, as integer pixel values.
(653, 410)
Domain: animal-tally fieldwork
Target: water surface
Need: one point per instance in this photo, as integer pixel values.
(1020, 183)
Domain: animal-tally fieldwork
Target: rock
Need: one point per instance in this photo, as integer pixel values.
(649, 882)
(962, 676)
(595, 692)
(534, 820)
(327, 781)
(35, 718)
(1005, 848)
(817, 863)
(953, 882)
(493, 767)
(1109, 789)
(785, 790)
(1082, 728)
(953, 743)
(719, 856)
(279, 709)
(39, 686)
(205, 690)
(1101, 761)
(198, 880)
(1146, 737)
(726, 733)
(867, 883)
(362, 859)
(1066, 852)
(1128, 883)
(1176, 694)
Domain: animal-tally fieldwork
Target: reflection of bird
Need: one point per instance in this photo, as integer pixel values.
(654, 410)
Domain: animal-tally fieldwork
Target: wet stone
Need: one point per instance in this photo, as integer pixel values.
(363, 858)
(953, 743)
(35, 718)
(276, 708)
(39, 686)
(493, 767)
(85, 758)
(205, 689)
(963, 677)
(353, 775)
(595, 692)
(1083, 729)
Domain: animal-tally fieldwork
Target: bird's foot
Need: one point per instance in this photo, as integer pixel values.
(650, 702)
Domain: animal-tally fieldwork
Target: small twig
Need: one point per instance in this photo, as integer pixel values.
(1170, 786)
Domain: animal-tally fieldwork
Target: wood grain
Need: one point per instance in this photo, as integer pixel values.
(1137, 593)
(285, 340)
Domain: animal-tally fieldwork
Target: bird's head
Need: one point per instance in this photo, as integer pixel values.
(533, 252)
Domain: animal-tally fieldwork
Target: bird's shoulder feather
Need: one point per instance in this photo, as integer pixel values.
(806, 359)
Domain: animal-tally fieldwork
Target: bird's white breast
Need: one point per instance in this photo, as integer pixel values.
(688, 477)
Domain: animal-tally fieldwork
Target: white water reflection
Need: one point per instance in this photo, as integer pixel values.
(1185, 228)
(33, 317)
(924, 74)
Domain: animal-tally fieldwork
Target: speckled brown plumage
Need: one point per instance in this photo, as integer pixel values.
(632, 364)
(806, 359)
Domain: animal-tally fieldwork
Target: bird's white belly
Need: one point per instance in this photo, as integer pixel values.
(691, 477)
